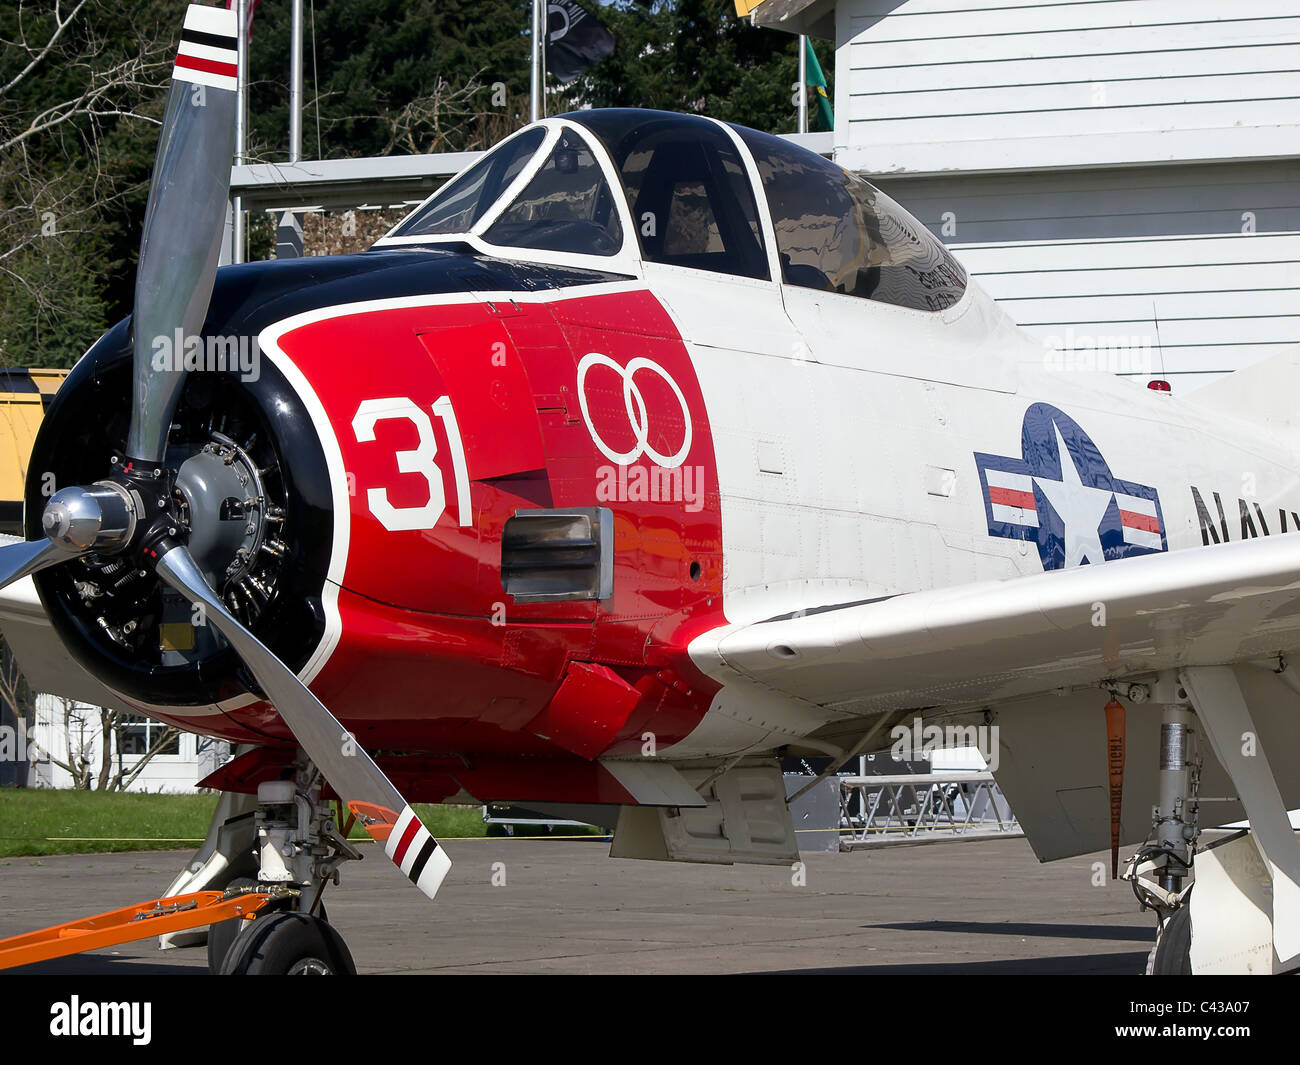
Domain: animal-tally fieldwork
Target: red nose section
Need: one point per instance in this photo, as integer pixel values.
(443, 421)
(484, 376)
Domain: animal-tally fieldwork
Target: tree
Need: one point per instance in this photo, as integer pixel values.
(78, 751)
(82, 85)
(17, 711)
(80, 89)
(695, 55)
(460, 68)
(92, 743)
(385, 75)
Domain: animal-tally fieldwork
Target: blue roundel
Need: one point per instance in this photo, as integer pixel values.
(1061, 494)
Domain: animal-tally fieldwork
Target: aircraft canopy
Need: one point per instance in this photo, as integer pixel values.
(685, 191)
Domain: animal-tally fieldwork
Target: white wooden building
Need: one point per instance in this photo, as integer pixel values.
(1106, 168)
(68, 732)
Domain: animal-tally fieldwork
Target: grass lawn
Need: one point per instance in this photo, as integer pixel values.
(39, 821)
(33, 820)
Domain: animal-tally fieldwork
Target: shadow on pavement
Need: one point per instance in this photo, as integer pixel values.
(1127, 933)
(1133, 964)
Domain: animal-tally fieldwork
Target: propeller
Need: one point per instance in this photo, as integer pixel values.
(130, 513)
(75, 522)
(181, 242)
(351, 772)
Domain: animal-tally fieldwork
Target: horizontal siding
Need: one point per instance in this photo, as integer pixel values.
(976, 85)
(1269, 251)
(1266, 306)
(869, 52)
(1207, 305)
(1149, 98)
(909, 22)
(1264, 57)
(869, 9)
(1136, 258)
(1186, 200)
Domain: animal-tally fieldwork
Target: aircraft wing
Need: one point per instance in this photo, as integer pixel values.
(991, 641)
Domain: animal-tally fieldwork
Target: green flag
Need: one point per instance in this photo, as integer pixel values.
(817, 83)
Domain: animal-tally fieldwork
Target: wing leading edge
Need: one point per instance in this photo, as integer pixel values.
(990, 641)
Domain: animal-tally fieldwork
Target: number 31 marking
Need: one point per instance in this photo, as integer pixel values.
(420, 459)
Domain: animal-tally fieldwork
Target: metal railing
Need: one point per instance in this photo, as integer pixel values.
(384, 181)
(923, 807)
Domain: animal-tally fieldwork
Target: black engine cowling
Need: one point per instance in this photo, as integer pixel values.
(266, 549)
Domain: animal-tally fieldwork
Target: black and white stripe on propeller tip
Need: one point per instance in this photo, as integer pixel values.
(208, 53)
(416, 853)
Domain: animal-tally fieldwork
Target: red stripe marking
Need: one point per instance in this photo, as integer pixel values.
(1145, 522)
(1009, 497)
(210, 66)
(412, 830)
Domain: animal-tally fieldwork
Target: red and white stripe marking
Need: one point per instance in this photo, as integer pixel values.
(208, 52)
(1011, 497)
(1140, 520)
(412, 848)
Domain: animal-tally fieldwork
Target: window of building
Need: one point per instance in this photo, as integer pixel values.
(837, 233)
(136, 735)
(567, 206)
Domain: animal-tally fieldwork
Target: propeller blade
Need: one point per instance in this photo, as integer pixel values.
(22, 558)
(183, 222)
(361, 784)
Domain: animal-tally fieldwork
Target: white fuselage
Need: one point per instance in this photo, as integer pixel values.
(847, 435)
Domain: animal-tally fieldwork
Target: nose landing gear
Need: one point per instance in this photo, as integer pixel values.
(273, 925)
(288, 944)
(299, 847)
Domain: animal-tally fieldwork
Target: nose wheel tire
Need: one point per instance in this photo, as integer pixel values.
(222, 935)
(1173, 951)
(288, 944)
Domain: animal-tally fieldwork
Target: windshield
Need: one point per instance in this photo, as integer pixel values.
(567, 206)
(460, 203)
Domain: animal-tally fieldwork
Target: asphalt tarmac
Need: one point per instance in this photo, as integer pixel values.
(565, 907)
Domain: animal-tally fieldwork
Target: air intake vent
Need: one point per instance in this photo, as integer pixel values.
(553, 555)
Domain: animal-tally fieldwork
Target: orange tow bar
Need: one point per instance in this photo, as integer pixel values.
(144, 919)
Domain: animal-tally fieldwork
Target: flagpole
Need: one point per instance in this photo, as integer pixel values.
(295, 82)
(241, 124)
(535, 107)
(803, 84)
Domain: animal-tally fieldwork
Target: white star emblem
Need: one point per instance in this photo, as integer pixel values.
(1080, 507)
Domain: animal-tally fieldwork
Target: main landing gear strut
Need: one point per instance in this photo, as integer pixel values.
(1160, 870)
(1244, 914)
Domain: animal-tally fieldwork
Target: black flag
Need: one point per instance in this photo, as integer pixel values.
(575, 40)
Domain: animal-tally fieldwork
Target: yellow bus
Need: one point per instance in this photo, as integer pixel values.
(24, 395)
